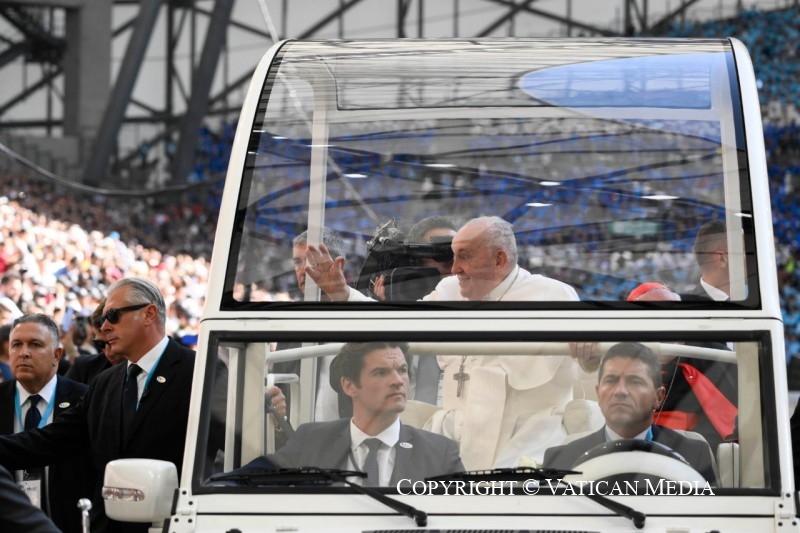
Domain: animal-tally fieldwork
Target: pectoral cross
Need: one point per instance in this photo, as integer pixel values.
(461, 377)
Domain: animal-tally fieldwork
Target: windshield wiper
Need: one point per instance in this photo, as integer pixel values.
(318, 476)
(519, 473)
(256, 477)
(524, 473)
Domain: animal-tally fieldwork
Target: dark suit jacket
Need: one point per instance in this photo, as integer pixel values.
(158, 432)
(86, 367)
(681, 397)
(795, 432)
(696, 452)
(69, 479)
(327, 445)
(16, 511)
(696, 294)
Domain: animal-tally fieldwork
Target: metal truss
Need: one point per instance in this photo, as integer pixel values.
(195, 37)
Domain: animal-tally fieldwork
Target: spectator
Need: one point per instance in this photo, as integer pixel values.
(8, 311)
(5, 368)
(11, 287)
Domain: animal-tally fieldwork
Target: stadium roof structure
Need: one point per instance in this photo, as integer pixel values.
(80, 115)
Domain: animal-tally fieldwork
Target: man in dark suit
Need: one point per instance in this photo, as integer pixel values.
(87, 367)
(17, 513)
(36, 398)
(711, 253)
(134, 327)
(629, 391)
(374, 376)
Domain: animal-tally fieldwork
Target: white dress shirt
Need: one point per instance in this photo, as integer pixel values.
(386, 453)
(47, 394)
(147, 363)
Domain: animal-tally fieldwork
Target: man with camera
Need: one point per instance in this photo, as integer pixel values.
(498, 408)
(414, 265)
(399, 268)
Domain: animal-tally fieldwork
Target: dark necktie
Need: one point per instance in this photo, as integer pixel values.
(32, 419)
(33, 416)
(130, 396)
(371, 463)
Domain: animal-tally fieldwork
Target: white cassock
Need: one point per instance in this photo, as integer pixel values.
(511, 406)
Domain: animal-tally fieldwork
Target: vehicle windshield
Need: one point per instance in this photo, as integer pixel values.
(469, 404)
(615, 165)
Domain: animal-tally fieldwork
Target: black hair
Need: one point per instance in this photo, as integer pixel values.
(350, 360)
(637, 351)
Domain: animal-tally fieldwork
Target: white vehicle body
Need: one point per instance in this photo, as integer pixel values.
(606, 155)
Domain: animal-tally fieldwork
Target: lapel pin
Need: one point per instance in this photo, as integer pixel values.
(161, 379)
(406, 445)
(63, 405)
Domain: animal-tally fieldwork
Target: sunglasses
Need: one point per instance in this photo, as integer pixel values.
(99, 345)
(112, 315)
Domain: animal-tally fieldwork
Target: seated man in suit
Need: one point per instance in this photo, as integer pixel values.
(629, 391)
(374, 375)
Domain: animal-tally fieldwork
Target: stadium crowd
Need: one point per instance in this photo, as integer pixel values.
(50, 262)
(770, 37)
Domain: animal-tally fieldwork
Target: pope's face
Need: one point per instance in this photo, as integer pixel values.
(476, 262)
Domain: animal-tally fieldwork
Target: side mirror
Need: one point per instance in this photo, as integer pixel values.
(139, 490)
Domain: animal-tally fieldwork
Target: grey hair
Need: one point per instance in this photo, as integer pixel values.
(418, 230)
(143, 291)
(500, 234)
(332, 241)
(39, 318)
